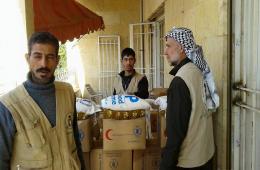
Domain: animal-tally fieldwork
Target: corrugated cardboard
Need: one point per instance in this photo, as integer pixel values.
(84, 133)
(152, 158)
(117, 160)
(158, 92)
(163, 135)
(110, 160)
(86, 157)
(148, 159)
(124, 134)
(155, 128)
(96, 159)
(97, 130)
(138, 159)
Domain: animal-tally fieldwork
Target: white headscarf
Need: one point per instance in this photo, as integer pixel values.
(194, 52)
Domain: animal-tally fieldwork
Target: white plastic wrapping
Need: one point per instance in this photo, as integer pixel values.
(127, 103)
(86, 106)
(162, 102)
(124, 103)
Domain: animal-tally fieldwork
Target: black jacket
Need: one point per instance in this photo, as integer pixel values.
(177, 118)
(142, 85)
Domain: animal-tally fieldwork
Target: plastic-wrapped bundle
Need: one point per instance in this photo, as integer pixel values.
(124, 103)
(125, 107)
(162, 102)
(86, 107)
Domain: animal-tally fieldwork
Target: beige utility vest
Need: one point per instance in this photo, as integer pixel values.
(198, 146)
(38, 145)
(133, 85)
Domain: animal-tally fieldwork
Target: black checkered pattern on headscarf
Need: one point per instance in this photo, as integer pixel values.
(183, 36)
(200, 62)
(194, 52)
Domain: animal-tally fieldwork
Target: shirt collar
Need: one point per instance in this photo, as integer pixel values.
(122, 74)
(29, 83)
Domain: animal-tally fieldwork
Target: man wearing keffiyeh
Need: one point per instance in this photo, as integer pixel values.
(191, 98)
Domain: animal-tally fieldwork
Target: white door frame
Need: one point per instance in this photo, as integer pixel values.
(246, 83)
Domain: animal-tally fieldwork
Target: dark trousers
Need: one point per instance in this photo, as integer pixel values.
(207, 166)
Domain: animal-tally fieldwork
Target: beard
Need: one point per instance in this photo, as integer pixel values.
(41, 79)
(174, 63)
(174, 60)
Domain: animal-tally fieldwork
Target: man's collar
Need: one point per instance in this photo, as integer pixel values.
(177, 67)
(122, 74)
(32, 84)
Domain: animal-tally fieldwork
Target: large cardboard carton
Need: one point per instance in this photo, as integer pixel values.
(124, 134)
(163, 132)
(117, 160)
(152, 158)
(158, 92)
(138, 159)
(110, 160)
(86, 157)
(85, 134)
(96, 159)
(97, 130)
(155, 128)
(148, 159)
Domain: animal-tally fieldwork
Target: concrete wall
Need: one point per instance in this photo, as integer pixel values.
(117, 15)
(209, 21)
(150, 6)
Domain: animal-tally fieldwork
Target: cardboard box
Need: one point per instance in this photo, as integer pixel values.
(163, 133)
(117, 160)
(138, 159)
(148, 159)
(124, 134)
(158, 92)
(110, 160)
(85, 134)
(152, 158)
(96, 159)
(97, 130)
(155, 128)
(86, 157)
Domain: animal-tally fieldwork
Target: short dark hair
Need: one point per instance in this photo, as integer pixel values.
(127, 52)
(43, 38)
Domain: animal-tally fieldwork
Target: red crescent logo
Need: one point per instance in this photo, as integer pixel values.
(107, 134)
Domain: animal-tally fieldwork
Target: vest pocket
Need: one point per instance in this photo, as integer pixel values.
(31, 149)
(31, 158)
(35, 136)
(41, 165)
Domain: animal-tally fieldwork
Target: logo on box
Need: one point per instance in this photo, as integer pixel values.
(107, 134)
(113, 164)
(137, 131)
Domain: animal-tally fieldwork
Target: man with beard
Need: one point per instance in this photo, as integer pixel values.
(38, 121)
(191, 98)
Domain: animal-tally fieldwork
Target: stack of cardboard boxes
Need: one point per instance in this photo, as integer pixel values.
(110, 144)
